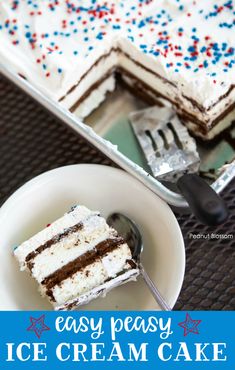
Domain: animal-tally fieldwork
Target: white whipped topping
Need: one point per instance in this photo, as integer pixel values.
(185, 41)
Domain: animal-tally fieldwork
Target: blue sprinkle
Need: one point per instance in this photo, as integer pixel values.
(191, 49)
(99, 36)
(141, 24)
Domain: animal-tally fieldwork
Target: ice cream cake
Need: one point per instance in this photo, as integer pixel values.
(181, 50)
(76, 259)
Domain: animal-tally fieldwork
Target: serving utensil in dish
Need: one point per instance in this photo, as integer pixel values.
(110, 150)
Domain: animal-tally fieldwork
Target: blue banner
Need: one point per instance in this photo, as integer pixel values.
(130, 340)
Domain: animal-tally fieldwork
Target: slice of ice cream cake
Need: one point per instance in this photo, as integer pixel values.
(76, 259)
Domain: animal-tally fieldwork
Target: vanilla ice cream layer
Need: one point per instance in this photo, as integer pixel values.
(99, 291)
(94, 231)
(144, 70)
(79, 214)
(95, 98)
(92, 275)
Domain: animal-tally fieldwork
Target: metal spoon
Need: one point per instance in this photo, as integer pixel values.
(130, 232)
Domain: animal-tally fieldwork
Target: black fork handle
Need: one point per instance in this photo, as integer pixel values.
(204, 202)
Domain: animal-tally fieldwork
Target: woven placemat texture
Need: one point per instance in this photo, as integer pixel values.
(32, 141)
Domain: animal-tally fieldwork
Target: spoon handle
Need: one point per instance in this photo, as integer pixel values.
(155, 292)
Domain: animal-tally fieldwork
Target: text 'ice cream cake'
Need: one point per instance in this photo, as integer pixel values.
(76, 259)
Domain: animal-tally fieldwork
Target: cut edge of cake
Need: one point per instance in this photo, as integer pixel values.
(77, 259)
(140, 77)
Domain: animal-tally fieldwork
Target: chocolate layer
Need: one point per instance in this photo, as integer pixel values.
(151, 96)
(104, 56)
(146, 93)
(154, 73)
(56, 239)
(93, 87)
(80, 263)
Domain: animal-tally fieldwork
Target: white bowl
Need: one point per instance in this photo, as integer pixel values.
(50, 195)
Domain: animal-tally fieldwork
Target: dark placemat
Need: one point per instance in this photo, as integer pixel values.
(32, 141)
